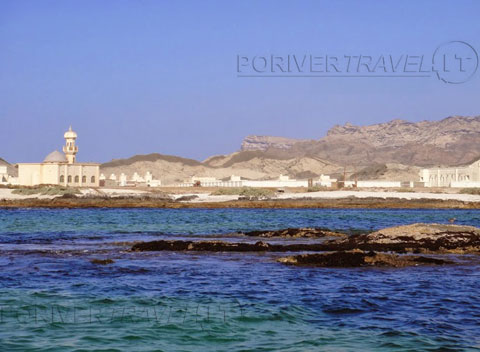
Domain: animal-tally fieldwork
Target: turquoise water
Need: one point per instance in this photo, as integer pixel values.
(52, 298)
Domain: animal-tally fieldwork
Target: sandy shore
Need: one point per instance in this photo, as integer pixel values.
(348, 194)
(6, 194)
(132, 198)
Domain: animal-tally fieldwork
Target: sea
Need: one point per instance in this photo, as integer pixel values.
(56, 294)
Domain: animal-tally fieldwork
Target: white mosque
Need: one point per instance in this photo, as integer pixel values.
(60, 168)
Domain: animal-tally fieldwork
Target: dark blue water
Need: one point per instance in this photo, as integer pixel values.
(53, 298)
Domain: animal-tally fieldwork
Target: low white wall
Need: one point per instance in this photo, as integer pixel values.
(249, 183)
(221, 184)
(465, 184)
(274, 183)
(379, 184)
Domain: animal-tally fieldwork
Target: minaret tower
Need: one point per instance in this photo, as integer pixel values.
(70, 149)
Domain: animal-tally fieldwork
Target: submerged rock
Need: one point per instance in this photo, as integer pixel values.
(205, 246)
(360, 259)
(224, 246)
(305, 232)
(102, 261)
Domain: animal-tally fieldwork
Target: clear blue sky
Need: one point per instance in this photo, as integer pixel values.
(135, 77)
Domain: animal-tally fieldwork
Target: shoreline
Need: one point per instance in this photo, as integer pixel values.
(318, 203)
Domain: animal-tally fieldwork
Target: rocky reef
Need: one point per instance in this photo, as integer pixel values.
(223, 246)
(360, 259)
(304, 232)
(373, 249)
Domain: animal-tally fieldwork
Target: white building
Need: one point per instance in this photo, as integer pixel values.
(282, 181)
(60, 168)
(466, 176)
(324, 181)
(3, 175)
(123, 180)
(236, 181)
(136, 180)
(150, 181)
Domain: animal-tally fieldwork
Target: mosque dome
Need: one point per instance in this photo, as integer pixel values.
(70, 134)
(55, 157)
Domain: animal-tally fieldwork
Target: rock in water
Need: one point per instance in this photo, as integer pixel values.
(304, 232)
(102, 261)
(202, 246)
(344, 259)
(415, 238)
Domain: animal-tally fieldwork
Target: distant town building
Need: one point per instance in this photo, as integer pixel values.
(122, 180)
(150, 181)
(60, 168)
(236, 181)
(464, 177)
(324, 181)
(136, 180)
(6, 178)
(3, 175)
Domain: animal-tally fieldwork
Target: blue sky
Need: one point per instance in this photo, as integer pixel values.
(136, 77)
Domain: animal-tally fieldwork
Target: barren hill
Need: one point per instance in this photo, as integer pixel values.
(393, 150)
(252, 165)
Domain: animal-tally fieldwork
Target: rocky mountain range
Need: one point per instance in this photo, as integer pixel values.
(392, 150)
(451, 141)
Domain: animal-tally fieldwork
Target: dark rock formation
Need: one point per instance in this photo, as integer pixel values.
(416, 238)
(305, 232)
(223, 246)
(360, 259)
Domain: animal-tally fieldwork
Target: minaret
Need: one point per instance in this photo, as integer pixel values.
(70, 149)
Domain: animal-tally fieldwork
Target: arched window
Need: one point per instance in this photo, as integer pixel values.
(92, 179)
(77, 179)
(62, 179)
(69, 179)
(84, 179)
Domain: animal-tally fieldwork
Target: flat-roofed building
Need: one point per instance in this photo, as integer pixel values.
(466, 176)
